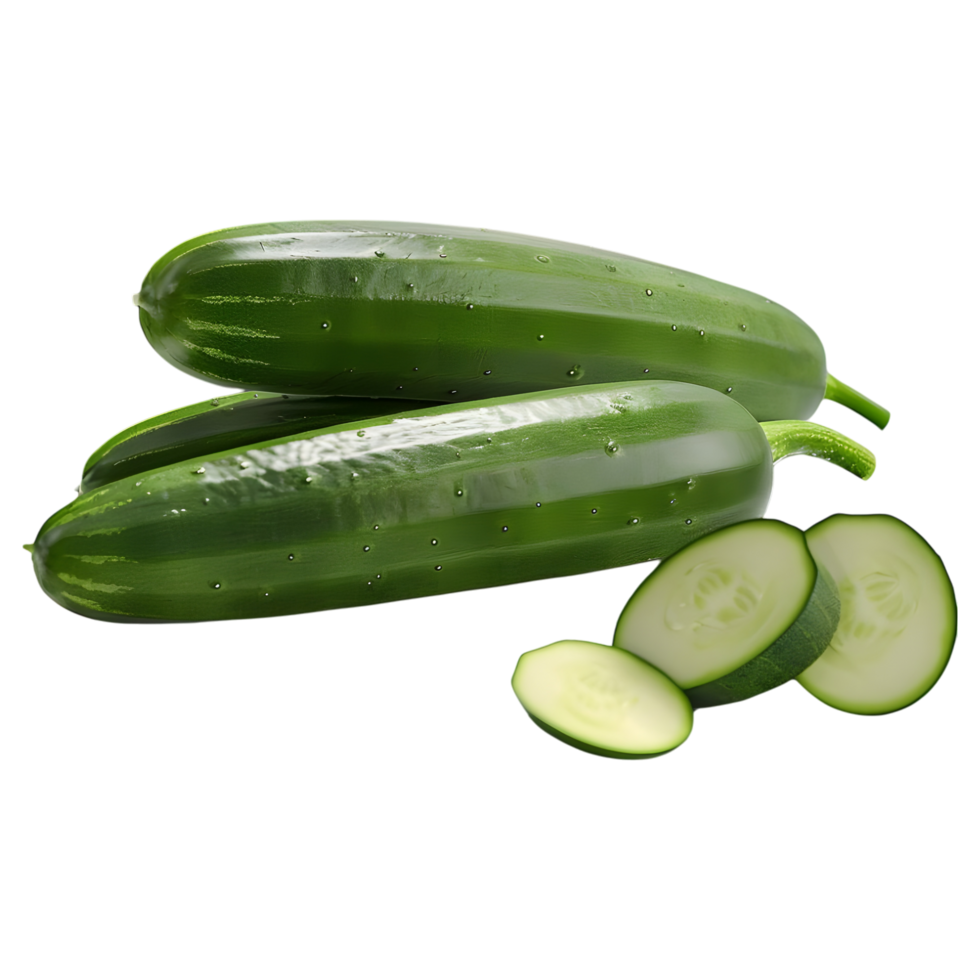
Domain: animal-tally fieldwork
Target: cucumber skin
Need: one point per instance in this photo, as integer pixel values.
(245, 307)
(152, 550)
(222, 424)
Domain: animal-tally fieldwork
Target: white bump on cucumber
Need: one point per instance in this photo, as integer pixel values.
(602, 700)
(733, 614)
(898, 615)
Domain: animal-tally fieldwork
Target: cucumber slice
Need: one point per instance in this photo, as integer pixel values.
(733, 614)
(898, 615)
(602, 700)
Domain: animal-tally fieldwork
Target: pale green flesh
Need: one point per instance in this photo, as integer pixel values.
(720, 602)
(603, 699)
(898, 615)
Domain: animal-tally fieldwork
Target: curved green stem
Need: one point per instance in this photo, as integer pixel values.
(809, 439)
(837, 391)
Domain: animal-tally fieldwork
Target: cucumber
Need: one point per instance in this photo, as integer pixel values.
(459, 314)
(602, 700)
(429, 501)
(898, 616)
(221, 424)
(733, 614)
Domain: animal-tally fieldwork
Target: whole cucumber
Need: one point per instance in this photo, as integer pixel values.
(458, 314)
(433, 500)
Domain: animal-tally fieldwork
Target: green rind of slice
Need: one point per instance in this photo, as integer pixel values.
(593, 749)
(792, 653)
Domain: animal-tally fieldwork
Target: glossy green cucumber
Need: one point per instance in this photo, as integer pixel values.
(428, 501)
(458, 314)
(222, 424)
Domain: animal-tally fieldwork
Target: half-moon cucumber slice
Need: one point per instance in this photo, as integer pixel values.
(733, 614)
(602, 700)
(898, 615)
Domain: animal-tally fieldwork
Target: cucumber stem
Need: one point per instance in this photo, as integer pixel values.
(791, 438)
(837, 391)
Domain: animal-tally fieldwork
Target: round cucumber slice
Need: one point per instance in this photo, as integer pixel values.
(602, 700)
(735, 613)
(898, 615)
